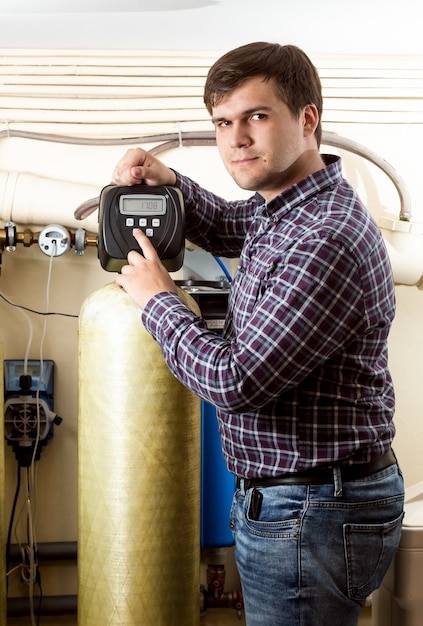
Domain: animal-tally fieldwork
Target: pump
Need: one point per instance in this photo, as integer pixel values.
(28, 410)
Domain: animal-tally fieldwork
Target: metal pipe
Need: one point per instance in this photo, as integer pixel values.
(49, 605)
(228, 600)
(207, 138)
(336, 141)
(47, 551)
(67, 604)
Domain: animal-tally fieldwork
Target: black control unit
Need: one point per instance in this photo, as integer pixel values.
(157, 211)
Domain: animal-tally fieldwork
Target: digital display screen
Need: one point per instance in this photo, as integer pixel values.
(141, 204)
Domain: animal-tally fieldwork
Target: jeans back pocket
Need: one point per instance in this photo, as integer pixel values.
(379, 542)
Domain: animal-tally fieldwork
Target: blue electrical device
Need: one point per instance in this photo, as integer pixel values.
(28, 407)
(42, 378)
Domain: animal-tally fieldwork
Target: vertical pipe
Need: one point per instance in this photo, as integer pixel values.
(139, 474)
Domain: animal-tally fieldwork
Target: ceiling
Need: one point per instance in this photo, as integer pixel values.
(103, 6)
(324, 26)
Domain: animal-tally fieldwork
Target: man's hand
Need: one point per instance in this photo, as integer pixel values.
(138, 166)
(145, 275)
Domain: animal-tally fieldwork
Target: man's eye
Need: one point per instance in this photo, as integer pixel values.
(258, 116)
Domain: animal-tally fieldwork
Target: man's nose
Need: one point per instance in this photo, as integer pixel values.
(240, 136)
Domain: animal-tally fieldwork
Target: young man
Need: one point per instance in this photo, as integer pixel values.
(300, 377)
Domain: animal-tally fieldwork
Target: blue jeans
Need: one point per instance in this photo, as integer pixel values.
(313, 557)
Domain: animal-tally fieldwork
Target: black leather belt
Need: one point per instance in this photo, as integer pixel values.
(322, 476)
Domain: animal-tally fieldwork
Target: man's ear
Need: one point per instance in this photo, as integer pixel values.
(310, 119)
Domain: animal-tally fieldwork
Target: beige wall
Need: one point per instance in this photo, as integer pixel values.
(24, 278)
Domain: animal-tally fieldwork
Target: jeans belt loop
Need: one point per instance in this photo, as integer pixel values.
(337, 481)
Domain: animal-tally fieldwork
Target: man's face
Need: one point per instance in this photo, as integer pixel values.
(262, 145)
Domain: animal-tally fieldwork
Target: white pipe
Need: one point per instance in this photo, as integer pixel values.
(30, 199)
(406, 267)
(404, 243)
(207, 138)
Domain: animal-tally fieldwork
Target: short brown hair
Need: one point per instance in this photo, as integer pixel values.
(296, 79)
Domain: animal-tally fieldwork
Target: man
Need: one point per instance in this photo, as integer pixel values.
(300, 377)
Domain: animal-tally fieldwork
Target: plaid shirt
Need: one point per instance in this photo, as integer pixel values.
(300, 377)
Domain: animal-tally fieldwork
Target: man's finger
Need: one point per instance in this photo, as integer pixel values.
(145, 244)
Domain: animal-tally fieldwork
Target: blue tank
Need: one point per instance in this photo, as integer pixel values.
(217, 484)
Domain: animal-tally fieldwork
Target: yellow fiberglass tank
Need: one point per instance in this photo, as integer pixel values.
(138, 474)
